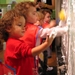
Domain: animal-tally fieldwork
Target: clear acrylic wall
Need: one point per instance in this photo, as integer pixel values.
(68, 40)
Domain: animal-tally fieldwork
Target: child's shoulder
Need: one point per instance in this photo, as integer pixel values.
(14, 41)
(32, 27)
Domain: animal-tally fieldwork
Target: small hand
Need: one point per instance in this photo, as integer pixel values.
(49, 40)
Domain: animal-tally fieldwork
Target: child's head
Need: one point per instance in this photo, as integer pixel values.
(40, 17)
(28, 10)
(47, 14)
(12, 25)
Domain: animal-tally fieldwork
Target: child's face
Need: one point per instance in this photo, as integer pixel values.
(32, 15)
(41, 22)
(47, 18)
(18, 27)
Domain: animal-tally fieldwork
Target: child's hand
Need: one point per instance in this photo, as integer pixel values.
(52, 23)
(49, 40)
(62, 24)
(37, 23)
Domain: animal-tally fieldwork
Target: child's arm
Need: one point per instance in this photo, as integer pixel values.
(46, 31)
(57, 31)
(52, 23)
(35, 51)
(60, 30)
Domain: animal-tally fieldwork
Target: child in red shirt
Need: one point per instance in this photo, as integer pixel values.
(33, 32)
(18, 53)
(28, 10)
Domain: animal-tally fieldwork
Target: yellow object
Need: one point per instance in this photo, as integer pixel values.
(62, 15)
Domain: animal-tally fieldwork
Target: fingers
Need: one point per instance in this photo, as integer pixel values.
(47, 38)
(53, 34)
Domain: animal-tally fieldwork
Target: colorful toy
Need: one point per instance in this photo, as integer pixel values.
(62, 15)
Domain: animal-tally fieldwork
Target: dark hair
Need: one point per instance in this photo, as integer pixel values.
(38, 0)
(23, 6)
(6, 21)
(44, 11)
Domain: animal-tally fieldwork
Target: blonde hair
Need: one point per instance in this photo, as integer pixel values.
(40, 15)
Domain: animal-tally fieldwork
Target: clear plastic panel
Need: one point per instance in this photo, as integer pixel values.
(68, 40)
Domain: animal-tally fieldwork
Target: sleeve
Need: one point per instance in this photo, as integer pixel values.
(25, 50)
(61, 30)
(44, 32)
(22, 50)
(55, 31)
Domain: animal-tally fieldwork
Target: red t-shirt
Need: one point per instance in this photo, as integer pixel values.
(30, 34)
(18, 55)
(30, 37)
(45, 25)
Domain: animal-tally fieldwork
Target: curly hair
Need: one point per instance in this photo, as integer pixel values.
(6, 21)
(22, 7)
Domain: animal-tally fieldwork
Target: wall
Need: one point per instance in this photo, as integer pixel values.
(23, 0)
(10, 1)
(2, 1)
(57, 10)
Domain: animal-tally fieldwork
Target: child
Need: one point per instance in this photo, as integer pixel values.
(44, 19)
(33, 32)
(19, 54)
(48, 23)
(43, 63)
(40, 21)
(28, 10)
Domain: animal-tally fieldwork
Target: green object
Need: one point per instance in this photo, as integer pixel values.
(53, 14)
(2, 1)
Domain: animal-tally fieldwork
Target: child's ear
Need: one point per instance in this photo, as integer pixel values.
(8, 29)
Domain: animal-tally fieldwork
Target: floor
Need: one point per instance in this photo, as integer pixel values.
(53, 72)
(53, 63)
